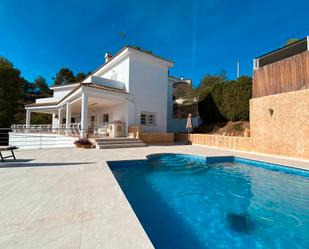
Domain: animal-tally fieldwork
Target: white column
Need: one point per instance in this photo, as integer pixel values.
(84, 115)
(59, 120)
(54, 124)
(68, 118)
(28, 120)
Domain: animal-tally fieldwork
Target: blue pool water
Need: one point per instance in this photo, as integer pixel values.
(193, 202)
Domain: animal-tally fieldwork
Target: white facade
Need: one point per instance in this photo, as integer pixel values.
(132, 87)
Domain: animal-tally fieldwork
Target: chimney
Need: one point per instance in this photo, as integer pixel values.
(108, 56)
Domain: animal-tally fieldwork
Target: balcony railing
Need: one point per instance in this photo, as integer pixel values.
(73, 130)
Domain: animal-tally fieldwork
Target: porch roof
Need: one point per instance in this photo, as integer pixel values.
(92, 85)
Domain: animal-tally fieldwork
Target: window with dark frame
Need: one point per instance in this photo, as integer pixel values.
(148, 118)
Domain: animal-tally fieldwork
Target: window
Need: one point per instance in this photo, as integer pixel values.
(105, 118)
(148, 119)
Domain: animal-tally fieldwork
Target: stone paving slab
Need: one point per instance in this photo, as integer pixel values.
(68, 198)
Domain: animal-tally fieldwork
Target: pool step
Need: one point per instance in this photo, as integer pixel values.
(113, 143)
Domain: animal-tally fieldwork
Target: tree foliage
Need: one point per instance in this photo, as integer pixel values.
(226, 100)
(184, 90)
(64, 76)
(208, 82)
(80, 77)
(11, 93)
(41, 86)
(16, 92)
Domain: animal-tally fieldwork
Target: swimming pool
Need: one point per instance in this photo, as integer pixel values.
(186, 201)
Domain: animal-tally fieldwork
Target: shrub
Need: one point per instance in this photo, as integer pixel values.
(83, 143)
(227, 101)
(237, 127)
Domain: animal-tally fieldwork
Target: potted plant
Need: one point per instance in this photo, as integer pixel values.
(83, 143)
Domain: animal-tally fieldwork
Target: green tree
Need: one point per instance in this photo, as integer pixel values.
(81, 76)
(227, 100)
(208, 82)
(41, 118)
(63, 77)
(184, 90)
(11, 93)
(42, 87)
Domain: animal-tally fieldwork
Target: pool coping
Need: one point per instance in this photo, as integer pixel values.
(294, 162)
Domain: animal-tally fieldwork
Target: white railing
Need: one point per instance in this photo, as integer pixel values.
(101, 129)
(73, 130)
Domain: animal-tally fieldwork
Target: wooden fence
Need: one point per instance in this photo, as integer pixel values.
(287, 75)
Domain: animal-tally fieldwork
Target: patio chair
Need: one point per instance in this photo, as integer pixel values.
(7, 148)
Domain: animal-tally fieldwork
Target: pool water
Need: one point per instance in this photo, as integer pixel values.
(185, 202)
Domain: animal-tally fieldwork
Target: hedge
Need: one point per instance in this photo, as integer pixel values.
(227, 101)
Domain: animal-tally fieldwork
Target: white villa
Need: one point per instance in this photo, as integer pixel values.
(132, 88)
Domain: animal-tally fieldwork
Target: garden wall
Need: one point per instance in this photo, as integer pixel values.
(136, 132)
(279, 124)
(225, 142)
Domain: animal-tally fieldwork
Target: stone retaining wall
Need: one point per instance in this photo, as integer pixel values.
(157, 137)
(136, 132)
(225, 142)
(279, 124)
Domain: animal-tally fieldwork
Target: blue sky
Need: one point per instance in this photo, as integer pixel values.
(201, 37)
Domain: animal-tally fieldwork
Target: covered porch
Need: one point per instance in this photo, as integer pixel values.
(88, 111)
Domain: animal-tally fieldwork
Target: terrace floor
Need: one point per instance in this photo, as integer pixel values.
(68, 198)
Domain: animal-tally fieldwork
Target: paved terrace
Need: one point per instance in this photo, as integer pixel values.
(68, 198)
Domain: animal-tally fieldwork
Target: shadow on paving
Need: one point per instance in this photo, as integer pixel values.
(25, 164)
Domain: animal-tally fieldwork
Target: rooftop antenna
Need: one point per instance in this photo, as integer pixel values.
(238, 68)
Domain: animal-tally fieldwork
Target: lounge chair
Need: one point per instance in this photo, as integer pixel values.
(7, 148)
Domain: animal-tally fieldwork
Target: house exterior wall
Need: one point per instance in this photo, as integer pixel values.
(47, 100)
(145, 77)
(58, 94)
(119, 72)
(148, 83)
(116, 112)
